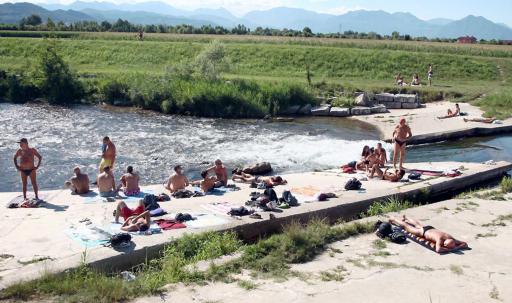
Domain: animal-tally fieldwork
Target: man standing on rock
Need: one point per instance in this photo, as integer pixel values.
(401, 134)
(108, 156)
(26, 166)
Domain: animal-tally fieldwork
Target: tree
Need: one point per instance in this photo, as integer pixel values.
(212, 61)
(307, 32)
(50, 24)
(395, 35)
(58, 83)
(32, 20)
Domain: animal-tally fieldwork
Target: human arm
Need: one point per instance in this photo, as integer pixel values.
(15, 159)
(38, 156)
(409, 133)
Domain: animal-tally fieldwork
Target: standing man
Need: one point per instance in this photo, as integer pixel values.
(108, 156)
(430, 74)
(401, 134)
(26, 165)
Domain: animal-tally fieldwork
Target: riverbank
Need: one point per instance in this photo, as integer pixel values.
(29, 251)
(427, 128)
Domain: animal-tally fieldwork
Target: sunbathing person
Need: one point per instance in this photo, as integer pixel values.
(482, 120)
(208, 182)
(130, 182)
(387, 175)
(382, 157)
(362, 164)
(415, 80)
(221, 173)
(440, 241)
(271, 181)
(137, 223)
(450, 113)
(106, 183)
(124, 211)
(177, 181)
(79, 183)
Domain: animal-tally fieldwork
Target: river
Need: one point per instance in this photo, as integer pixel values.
(153, 143)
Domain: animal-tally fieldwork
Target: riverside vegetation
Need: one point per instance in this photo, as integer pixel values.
(248, 76)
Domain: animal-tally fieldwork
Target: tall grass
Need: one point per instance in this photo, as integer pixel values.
(497, 105)
(387, 206)
(506, 185)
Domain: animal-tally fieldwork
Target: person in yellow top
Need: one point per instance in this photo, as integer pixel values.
(108, 156)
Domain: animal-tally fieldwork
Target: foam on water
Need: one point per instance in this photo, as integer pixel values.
(153, 143)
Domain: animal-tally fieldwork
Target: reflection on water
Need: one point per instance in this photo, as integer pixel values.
(153, 143)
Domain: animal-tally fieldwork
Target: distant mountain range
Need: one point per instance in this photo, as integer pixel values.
(380, 22)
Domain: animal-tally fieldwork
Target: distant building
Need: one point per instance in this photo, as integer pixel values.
(467, 40)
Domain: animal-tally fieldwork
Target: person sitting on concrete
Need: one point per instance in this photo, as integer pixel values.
(416, 80)
(106, 183)
(481, 120)
(130, 182)
(440, 241)
(208, 182)
(382, 157)
(363, 163)
(239, 176)
(79, 183)
(137, 223)
(220, 172)
(387, 175)
(450, 113)
(124, 211)
(178, 181)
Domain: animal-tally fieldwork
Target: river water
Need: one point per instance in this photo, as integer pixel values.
(153, 143)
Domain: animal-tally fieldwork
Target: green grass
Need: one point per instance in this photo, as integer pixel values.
(387, 206)
(270, 257)
(456, 269)
(506, 185)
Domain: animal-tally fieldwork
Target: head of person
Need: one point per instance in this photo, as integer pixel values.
(402, 121)
(278, 179)
(372, 151)
(106, 140)
(142, 226)
(449, 243)
(218, 163)
(178, 169)
(379, 146)
(106, 169)
(129, 169)
(236, 171)
(76, 170)
(23, 143)
(457, 105)
(204, 174)
(366, 151)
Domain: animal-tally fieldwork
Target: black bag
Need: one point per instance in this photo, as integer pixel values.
(239, 211)
(120, 239)
(415, 176)
(383, 229)
(353, 184)
(271, 194)
(352, 164)
(398, 236)
(150, 202)
(289, 198)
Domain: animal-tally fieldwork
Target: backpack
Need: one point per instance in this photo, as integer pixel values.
(397, 235)
(239, 211)
(352, 164)
(120, 240)
(289, 198)
(271, 194)
(353, 184)
(150, 202)
(415, 175)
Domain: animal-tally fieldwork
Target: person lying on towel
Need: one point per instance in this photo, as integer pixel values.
(438, 240)
(137, 223)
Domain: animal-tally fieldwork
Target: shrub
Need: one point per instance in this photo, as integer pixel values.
(212, 61)
(58, 83)
(115, 91)
(506, 185)
(20, 90)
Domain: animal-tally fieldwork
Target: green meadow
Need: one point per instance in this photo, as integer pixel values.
(467, 73)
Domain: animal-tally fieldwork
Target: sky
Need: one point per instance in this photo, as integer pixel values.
(495, 10)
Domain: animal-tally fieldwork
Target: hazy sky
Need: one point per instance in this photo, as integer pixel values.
(495, 10)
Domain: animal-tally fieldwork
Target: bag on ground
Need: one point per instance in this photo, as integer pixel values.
(353, 184)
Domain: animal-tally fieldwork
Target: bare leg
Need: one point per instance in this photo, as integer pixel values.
(413, 222)
(395, 154)
(407, 227)
(147, 217)
(402, 156)
(120, 206)
(24, 184)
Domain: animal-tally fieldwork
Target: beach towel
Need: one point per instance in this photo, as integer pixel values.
(206, 220)
(89, 236)
(15, 202)
(426, 243)
(218, 191)
(167, 224)
(306, 194)
(221, 208)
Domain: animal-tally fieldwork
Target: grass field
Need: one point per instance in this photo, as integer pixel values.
(465, 71)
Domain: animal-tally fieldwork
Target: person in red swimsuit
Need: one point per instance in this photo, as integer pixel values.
(124, 211)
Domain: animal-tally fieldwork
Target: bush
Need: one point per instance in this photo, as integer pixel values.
(115, 91)
(20, 90)
(506, 185)
(59, 85)
(212, 61)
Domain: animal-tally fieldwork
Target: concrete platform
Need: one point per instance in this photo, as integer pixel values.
(34, 234)
(362, 272)
(426, 128)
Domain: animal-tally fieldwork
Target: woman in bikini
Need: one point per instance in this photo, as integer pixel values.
(401, 134)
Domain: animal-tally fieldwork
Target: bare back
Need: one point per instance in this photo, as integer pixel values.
(81, 183)
(105, 182)
(130, 181)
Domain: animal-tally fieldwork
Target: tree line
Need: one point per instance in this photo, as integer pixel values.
(35, 23)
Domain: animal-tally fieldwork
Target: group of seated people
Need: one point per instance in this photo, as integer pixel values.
(399, 80)
(373, 162)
